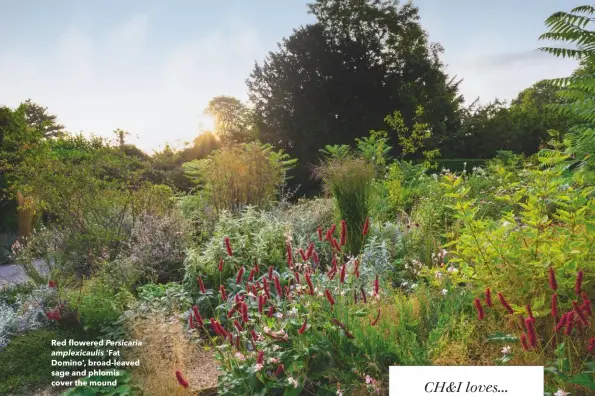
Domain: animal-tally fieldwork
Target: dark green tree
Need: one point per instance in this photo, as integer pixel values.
(333, 81)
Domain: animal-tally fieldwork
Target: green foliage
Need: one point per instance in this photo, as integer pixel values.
(550, 224)
(238, 176)
(254, 235)
(349, 180)
(234, 121)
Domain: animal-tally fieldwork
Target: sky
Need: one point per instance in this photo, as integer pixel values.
(150, 67)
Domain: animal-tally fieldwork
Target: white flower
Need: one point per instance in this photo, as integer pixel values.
(438, 275)
(560, 392)
(273, 360)
(276, 347)
(320, 294)
(444, 292)
(368, 379)
(279, 315)
(292, 381)
(452, 269)
(258, 367)
(339, 392)
(266, 329)
(413, 286)
(293, 312)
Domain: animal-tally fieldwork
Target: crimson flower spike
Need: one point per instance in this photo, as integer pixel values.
(265, 284)
(181, 380)
(319, 231)
(530, 325)
(554, 305)
(309, 251)
(201, 285)
(489, 302)
(530, 312)
(479, 309)
(303, 328)
(222, 292)
(251, 275)
(579, 314)
(366, 227)
(579, 282)
(586, 305)
(228, 246)
(343, 238)
(343, 270)
(376, 286)
(373, 323)
(271, 311)
(524, 342)
(552, 279)
(505, 303)
(315, 257)
(240, 274)
(569, 323)
(329, 297)
(310, 285)
(561, 323)
(190, 321)
(197, 316)
(278, 286)
(220, 266)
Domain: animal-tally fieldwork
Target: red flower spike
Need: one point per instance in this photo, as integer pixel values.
(197, 316)
(479, 309)
(529, 324)
(265, 285)
(315, 257)
(356, 269)
(343, 269)
(52, 284)
(552, 279)
(579, 283)
(364, 295)
(271, 272)
(301, 252)
(260, 303)
(297, 276)
(373, 323)
(240, 275)
(334, 262)
(260, 358)
(245, 317)
(303, 328)
(366, 226)
(280, 370)
(238, 325)
(319, 231)
(591, 347)
(271, 311)
(329, 297)
(505, 303)
(336, 244)
(222, 292)
(331, 274)
(561, 323)
(230, 313)
(489, 302)
(256, 266)
(524, 342)
(278, 286)
(569, 323)
(309, 251)
(310, 285)
(529, 312)
(238, 343)
(579, 314)
(230, 338)
(376, 286)
(220, 266)
(228, 246)
(586, 305)
(190, 321)
(251, 275)
(343, 239)
(254, 335)
(201, 285)
(181, 380)
(554, 305)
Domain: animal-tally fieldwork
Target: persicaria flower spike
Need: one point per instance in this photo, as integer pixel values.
(278, 286)
(329, 297)
(279, 370)
(554, 305)
(228, 246)
(51, 284)
(586, 305)
(343, 232)
(376, 286)
(579, 283)
(201, 285)
(524, 342)
(552, 279)
(260, 358)
(315, 257)
(181, 380)
(529, 312)
(309, 251)
(197, 316)
(303, 328)
(222, 292)
(319, 231)
(343, 270)
(366, 226)
(310, 285)
(260, 303)
(251, 274)
(569, 323)
(529, 324)
(271, 272)
(591, 347)
(505, 303)
(489, 302)
(561, 323)
(373, 323)
(240, 274)
(479, 309)
(579, 314)
(238, 325)
(301, 252)
(245, 313)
